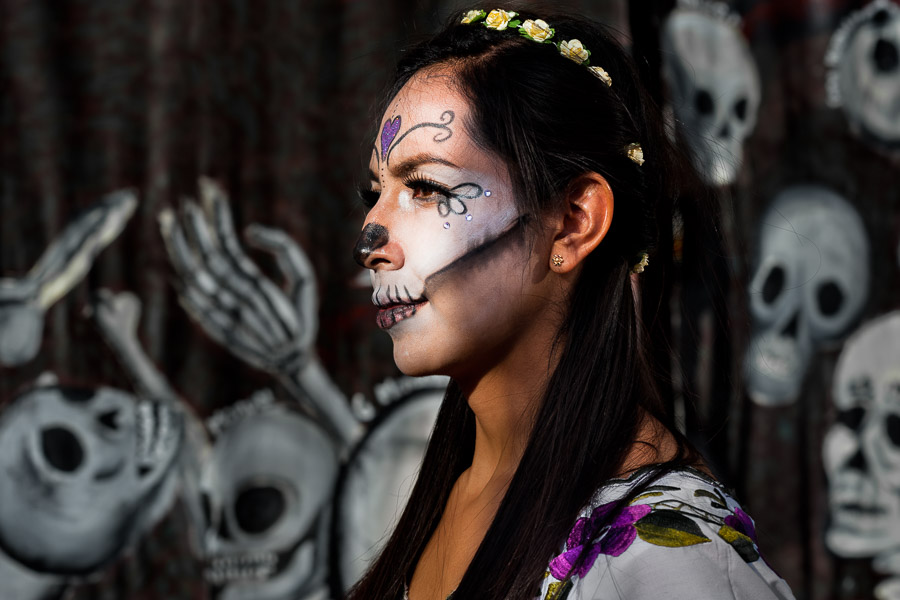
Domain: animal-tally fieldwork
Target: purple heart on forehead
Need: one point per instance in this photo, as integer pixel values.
(388, 133)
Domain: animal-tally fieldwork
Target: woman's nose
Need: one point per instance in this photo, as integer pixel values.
(374, 249)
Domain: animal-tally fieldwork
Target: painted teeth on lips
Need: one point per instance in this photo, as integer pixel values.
(391, 313)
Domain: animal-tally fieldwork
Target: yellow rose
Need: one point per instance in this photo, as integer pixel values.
(574, 50)
(498, 19)
(601, 74)
(472, 15)
(539, 30)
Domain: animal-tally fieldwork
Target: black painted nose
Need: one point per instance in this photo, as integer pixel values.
(373, 237)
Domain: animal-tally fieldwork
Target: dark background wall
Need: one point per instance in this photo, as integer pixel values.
(273, 100)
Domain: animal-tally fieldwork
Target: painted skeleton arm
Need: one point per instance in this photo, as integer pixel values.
(24, 301)
(235, 304)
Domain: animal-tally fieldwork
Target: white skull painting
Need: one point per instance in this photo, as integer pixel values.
(83, 473)
(863, 61)
(714, 87)
(267, 488)
(810, 284)
(380, 476)
(861, 450)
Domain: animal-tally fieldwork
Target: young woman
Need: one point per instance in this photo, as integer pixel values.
(516, 183)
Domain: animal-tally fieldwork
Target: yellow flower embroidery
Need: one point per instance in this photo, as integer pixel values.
(574, 50)
(538, 29)
(601, 74)
(499, 19)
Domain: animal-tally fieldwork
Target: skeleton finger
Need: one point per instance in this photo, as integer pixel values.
(299, 276)
(219, 326)
(211, 254)
(200, 282)
(71, 255)
(216, 206)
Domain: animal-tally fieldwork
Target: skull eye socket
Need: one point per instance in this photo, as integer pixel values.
(830, 298)
(880, 18)
(740, 109)
(885, 56)
(851, 418)
(62, 449)
(703, 102)
(892, 425)
(773, 285)
(256, 509)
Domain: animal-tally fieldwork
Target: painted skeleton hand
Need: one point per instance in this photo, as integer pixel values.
(235, 304)
(227, 295)
(23, 302)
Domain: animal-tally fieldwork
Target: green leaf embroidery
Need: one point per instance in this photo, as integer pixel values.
(515, 23)
(740, 542)
(717, 500)
(669, 528)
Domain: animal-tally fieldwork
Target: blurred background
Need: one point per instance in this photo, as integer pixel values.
(194, 399)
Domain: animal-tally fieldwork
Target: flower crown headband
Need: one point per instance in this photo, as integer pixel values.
(538, 30)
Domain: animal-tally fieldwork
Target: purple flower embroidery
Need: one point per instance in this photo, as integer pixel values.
(612, 540)
(741, 522)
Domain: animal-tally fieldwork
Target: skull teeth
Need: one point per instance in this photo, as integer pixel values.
(224, 569)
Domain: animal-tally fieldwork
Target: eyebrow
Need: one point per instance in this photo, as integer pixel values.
(409, 165)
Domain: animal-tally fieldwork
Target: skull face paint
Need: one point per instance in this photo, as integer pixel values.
(861, 451)
(863, 59)
(452, 269)
(810, 284)
(715, 89)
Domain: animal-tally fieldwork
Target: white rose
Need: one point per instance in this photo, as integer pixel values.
(574, 50)
(539, 30)
(498, 19)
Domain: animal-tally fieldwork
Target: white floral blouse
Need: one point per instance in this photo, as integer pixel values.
(683, 538)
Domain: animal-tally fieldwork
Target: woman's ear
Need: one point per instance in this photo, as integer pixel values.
(587, 217)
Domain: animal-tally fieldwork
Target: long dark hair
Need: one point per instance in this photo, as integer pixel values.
(551, 120)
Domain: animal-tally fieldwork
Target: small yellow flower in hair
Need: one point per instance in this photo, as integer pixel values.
(472, 16)
(642, 264)
(601, 74)
(499, 19)
(635, 153)
(537, 30)
(574, 50)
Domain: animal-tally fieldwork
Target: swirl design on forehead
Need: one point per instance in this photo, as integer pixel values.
(443, 135)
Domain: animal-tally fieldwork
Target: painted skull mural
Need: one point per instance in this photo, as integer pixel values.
(863, 60)
(810, 284)
(84, 473)
(267, 488)
(861, 450)
(714, 86)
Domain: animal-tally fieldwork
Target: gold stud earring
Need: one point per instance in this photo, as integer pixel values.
(557, 260)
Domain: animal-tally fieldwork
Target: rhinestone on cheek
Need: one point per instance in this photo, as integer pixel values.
(468, 217)
(487, 192)
(446, 225)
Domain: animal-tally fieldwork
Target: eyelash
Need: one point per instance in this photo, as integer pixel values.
(429, 185)
(369, 197)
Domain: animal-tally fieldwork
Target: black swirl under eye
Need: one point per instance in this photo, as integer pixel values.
(368, 197)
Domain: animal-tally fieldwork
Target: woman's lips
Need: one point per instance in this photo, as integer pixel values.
(388, 316)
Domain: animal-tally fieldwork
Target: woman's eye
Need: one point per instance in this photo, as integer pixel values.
(425, 192)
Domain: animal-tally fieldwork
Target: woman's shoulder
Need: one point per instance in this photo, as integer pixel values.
(683, 536)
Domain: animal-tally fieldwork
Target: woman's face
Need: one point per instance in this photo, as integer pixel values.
(456, 285)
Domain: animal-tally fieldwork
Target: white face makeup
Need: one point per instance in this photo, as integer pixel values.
(443, 236)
